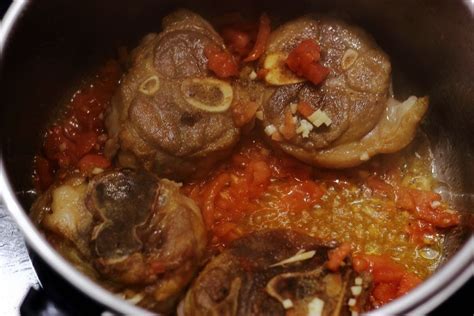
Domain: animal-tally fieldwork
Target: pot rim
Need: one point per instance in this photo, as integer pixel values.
(424, 298)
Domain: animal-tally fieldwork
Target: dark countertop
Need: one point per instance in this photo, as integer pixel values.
(16, 272)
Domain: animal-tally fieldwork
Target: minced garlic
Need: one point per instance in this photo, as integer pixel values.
(315, 307)
(287, 303)
(304, 128)
(319, 118)
(270, 129)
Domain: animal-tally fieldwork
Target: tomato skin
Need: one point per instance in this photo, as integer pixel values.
(262, 38)
(220, 62)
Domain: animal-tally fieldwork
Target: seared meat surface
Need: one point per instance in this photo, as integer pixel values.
(270, 273)
(354, 95)
(128, 228)
(171, 115)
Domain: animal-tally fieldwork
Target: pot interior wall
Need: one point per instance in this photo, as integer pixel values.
(431, 44)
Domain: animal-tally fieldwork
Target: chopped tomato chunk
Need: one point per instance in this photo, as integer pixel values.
(288, 130)
(305, 109)
(384, 293)
(418, 229)
(91, 161)
(421, 204)
(391, 278)
(246, 183)
(379, 186)
(337, 256)
(220, 62)
(303, 60)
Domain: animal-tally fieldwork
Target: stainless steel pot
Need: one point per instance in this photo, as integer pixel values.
(46, 46)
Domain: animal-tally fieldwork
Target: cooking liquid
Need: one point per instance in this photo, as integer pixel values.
(347, 210)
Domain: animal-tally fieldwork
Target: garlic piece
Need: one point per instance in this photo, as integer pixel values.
(301, 255)
(253, 75)
(293, 108)
(304, 128)
(270, 129)
(208, 94)
(364, 156)
(97, 170)
(278, 74)
(287, 303)
(349, 58)
(319, 118)
(356, 290)
(150, 85)
(315, 307)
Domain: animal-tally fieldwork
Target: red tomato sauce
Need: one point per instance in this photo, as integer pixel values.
(76, 140)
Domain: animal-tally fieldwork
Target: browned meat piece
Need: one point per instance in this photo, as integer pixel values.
(136, 233)
(271, 272)
(348, 105)
(171, 115)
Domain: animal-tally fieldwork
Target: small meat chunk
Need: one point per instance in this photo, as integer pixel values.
(171, 114)
(272, 272)
(346, 107)
(133, 232)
